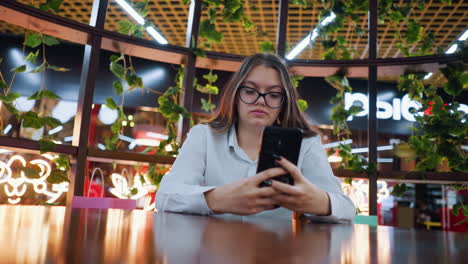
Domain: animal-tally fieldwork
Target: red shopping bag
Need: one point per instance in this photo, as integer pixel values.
(102, 202)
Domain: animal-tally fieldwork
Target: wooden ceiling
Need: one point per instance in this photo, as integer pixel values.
(170, 17)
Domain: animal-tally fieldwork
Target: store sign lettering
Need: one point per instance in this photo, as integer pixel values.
(396, 110)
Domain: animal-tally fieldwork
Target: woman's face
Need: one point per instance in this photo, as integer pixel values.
(261, 79)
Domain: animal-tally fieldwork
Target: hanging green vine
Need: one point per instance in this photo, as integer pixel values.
(122, 68)
(227, 11)
(170, 108)
(30, 119)
(210, 89)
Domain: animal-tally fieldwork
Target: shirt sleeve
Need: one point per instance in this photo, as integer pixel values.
(182, 189)
(317, 170)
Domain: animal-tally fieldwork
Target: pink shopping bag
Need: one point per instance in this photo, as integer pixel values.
(102, 202)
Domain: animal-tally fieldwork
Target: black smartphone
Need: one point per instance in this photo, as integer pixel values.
(285, 142)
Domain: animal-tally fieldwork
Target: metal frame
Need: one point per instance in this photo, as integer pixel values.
(97, 38)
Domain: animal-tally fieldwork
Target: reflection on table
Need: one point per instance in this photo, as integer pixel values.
(38, 234)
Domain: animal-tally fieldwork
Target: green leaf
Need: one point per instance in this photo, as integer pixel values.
(207, 89)
(199, 52)
(210, 77)
(52, 122)
(414, 32)
(10, 97)
(39, 68)
(57, 176)
(19, 69)
(456, 209)
(404, 150)
(62, 161)
(116, 127)
(118, 70)
(464, 80)
(114, 58)
(33, 40)
(354, 110)
(111, 103)
(399, 189)
(125, 27)
(461, 222)
(208, 31)
(118, 88)
(49, 40)
(296, 79)
(31, 119)
(51, 5)
(247, 24)
(133, 191)
(44, 93)
(302, 104)
(32, 57)
(212, 15)
(303, 3)
(134, 81)
(371, 167)
(46, 146)
(3, 84)
(207, 106)
(453, 87)
(396, 16)
(109, 145)
(31, 171)
(349, 181)
(115, 138)
(56, 68)
(11, 108)
(267, 47)
(49, 94)
(35, 96)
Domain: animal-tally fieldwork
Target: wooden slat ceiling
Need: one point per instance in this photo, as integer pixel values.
(170, 18)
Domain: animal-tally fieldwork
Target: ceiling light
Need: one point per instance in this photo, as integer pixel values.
(132, 12)
(452, 49)
(64, 111)
(139, 19)
(428, 76)
(107, 115)
(55, 130)
(23, 104)
(310, 38)
(336, 144)
(464, 36)
(7, 129)
(333, 159)
(155, 34)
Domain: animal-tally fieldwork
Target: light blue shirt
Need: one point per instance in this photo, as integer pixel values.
(209, 159)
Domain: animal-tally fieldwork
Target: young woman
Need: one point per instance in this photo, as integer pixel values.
(215, 171)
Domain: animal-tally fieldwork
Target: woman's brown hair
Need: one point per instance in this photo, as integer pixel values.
(290, 115)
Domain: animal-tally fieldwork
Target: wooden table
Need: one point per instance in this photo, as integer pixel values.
(38, 234)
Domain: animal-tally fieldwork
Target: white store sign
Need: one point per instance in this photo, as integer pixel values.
(396, 110)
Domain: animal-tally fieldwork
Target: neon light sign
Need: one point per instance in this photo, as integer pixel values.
(358, 192)
(16, 187)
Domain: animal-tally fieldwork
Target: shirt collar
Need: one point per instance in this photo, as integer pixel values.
(232, 137)
(232, 143)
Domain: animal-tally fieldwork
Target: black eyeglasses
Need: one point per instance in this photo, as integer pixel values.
(250, 96)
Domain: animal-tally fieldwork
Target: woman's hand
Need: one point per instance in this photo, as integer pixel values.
(303, 196)
(244, 197)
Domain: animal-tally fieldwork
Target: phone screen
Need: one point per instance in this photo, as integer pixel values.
(285, 142)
